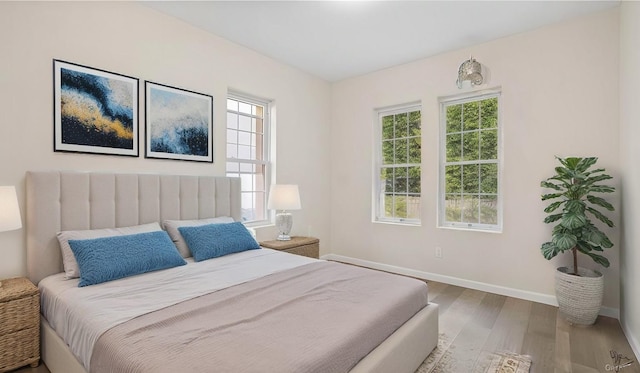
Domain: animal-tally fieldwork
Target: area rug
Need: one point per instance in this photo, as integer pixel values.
(508, 362)
(445, 358)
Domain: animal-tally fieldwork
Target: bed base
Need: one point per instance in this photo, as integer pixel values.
(402, 352)
(406, 348)
(55, 353)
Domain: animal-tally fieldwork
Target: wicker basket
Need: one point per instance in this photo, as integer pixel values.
(19, 324)
(579, 297)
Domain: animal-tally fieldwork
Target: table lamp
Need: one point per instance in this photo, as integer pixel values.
(9, 211)
(284, 197)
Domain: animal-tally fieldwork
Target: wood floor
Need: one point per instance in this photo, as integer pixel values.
(474, 323)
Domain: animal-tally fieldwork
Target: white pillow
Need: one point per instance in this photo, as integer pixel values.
(171, 226)
(71, 268)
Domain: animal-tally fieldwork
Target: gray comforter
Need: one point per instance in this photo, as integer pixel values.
(321, 317)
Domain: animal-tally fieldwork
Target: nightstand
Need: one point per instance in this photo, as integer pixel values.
(19, 324)
(305, 246)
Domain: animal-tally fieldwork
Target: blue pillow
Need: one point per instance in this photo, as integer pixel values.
(214, 240)
(110, 258)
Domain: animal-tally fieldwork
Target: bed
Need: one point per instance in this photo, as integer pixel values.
(63, 201)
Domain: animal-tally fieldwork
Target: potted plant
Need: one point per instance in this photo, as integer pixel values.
(575, 203)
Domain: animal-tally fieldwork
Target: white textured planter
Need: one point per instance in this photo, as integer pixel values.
(579, 297)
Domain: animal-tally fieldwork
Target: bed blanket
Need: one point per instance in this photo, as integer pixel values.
(321, 317)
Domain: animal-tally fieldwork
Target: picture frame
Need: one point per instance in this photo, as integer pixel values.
(95, 111)
(179, 124)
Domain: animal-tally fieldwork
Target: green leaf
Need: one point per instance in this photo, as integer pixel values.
(570, 162)
(565, 172)
(595, 171)
(562, 161)
(586, 247)
(575, 206)
(552, 218)
(579, 177)
(606, 243)
(554, 206)
(596, 236)
(592, 234)
(560, 229)
(549, 250)
(573, 220)
(551, 196)
(564, 180)
(564, 241)
(600, 216)
(599, 259)
(600, 202)
(585, 163)
(596, 178)
(563, 184)
(547, 184)
(601, 189)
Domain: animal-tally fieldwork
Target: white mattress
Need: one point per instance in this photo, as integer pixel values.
(81, 315)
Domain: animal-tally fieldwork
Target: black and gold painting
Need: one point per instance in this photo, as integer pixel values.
(95, 111)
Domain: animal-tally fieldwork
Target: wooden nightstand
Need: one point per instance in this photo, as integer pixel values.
(19, 324)
(306, 246)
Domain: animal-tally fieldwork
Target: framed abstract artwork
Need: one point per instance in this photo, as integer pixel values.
(95, 111)
(179, 124)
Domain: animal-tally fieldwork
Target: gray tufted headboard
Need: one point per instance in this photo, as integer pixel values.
(58, 201)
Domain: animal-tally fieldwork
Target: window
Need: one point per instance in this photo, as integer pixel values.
(248, 153)
(397, 184)
(470, 162)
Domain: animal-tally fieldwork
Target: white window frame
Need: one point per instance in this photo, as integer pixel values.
(377, 216)
(456, 100)
(266, 156)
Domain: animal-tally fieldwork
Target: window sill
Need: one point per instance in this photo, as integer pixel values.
(481, 230)
(259, 224)
(400, 223)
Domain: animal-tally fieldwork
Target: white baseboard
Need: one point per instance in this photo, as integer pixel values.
(633, 341)
(490, 288)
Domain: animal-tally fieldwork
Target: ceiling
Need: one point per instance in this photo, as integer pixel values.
(335, 40)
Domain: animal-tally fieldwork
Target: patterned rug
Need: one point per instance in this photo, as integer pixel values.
(445, 359)
(508, 362)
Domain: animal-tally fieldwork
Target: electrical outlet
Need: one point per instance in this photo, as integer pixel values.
(438, 252)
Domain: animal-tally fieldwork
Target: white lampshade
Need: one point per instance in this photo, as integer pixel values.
(284, 197)
(9, 210)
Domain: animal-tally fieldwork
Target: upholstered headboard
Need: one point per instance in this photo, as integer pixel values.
(58, 201)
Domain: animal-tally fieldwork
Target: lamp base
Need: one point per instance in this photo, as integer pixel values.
(284, 221)
(283, 237)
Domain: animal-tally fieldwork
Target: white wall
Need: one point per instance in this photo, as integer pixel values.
(559, 97)
(629, 156)
(134, 40)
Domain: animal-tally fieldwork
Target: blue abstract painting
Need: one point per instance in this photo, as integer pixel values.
(96, 111)
(179, 123)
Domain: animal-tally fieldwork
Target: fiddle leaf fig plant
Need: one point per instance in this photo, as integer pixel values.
(574, 205)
